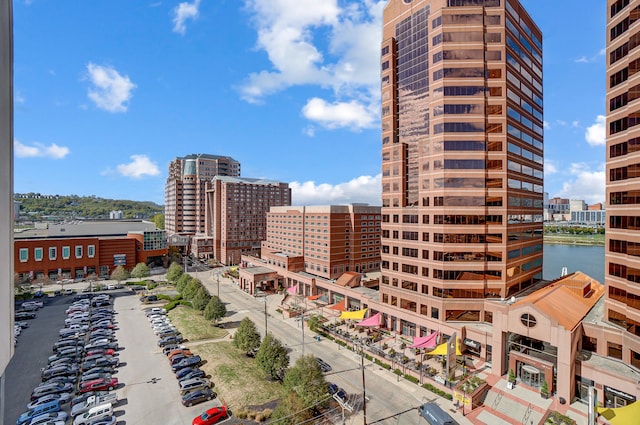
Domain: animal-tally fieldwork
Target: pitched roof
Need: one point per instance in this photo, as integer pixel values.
(566, 300)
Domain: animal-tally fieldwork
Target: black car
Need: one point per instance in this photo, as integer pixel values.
(188, 362)
(198, 396)
(181, 373)
(100, 362)
(324, 366)
(174, 339)
(191, 373)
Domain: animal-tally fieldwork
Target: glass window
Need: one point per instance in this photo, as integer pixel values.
(91, 251)
(78, 251)
(66, 252)
(24, 255)
(53, 253)
(38, 254)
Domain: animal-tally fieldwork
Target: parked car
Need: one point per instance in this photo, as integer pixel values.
(212, 416)
(99, 385)
(189, 361)
(183, 351)
(107, 420)
(171, 347)
(61, 398)
(50, 407)
(192, 373)
(50, 388)
(48, 418)
(184, 372)
(25, 315)
(198, 396)
(324, 366)
(170, 340)
(95, 413)
(194, 384)
(64, 370)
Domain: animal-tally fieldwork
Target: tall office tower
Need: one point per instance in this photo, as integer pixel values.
(6, 189)
(462, 158)
(237, 214)
(622, 261)
(329, 239)
(186, 187)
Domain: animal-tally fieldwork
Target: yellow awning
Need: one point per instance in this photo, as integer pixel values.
(627, 415)
(354, 315)
(441, 350)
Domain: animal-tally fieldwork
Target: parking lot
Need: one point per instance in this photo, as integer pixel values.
(147, 391)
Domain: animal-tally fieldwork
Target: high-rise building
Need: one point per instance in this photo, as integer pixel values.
(462, 158)
(329, 239)
(185, 190)
(237, 214)
(622, 261)
(6, 188)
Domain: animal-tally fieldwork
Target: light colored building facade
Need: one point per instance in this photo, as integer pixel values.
(185, 190)
(236, 217)
(329, 240)
(6, 188)
(462, 166)
(557, 209)
(622, 261)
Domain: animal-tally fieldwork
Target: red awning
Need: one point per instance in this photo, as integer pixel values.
(313, 297)
(371, 321)
(341, 306)
(428, 341)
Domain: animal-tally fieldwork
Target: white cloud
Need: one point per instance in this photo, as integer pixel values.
(596, 134)
(363, 189)
(339, 114)
(575, 124)
(18, 98)
(585, 183)
(183, 12)
(546, 125)
(139, 167)
(111, 91)
(345, 59)
(38, 150)
(550, 167)
(582, 59)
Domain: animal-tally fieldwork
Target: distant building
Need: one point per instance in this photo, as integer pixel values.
(185, 190)
(589, 215)
(79, 249)
(237, 215)
(116, 215)
(557, 209)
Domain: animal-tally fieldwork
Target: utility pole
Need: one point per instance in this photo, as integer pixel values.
(364, 388)
(265, 315)
(218, 282)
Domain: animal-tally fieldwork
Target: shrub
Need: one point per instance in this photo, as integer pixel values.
(386, 366)
(397, 372)
(411, 378)
(171, 305)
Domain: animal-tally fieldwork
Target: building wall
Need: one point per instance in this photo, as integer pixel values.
(462, 203)
(48, 266)
(622, 264)
(331, 239)
(186, 187)
(6, 188)
(237, 218)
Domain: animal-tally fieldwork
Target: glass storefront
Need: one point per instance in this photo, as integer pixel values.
(616, 398)
(530, 375)
(582, 388)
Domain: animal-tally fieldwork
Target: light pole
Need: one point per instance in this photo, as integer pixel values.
(364, 387)
(265, 315)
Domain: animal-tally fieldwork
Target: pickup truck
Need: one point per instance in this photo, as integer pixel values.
(93, 401)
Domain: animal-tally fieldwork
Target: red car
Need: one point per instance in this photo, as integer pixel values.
(104, 351)
(211, 416)
(99, 385)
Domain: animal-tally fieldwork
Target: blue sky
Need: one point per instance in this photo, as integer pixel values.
(107, 93)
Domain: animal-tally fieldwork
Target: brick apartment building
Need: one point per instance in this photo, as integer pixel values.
(236, 216)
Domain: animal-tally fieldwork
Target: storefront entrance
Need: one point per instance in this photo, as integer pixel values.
(529, 375)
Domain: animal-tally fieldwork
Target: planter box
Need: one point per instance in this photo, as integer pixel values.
(511, 385)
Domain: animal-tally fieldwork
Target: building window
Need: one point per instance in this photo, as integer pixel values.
(66, 252)
(614, 350)
(53, 253)
(528, 320)
(78, 251)
(435, 313)
(38, 254)
(24, 255)
(91, 251)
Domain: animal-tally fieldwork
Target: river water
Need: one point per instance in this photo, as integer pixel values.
(586, 259)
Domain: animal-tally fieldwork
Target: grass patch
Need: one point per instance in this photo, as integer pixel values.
(193, 325)
(237, 378)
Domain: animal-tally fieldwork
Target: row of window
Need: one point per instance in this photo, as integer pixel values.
(625, 272)
(624, 198)
(622, 51)
(38, 253)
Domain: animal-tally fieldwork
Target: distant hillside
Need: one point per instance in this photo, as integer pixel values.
(73, 206)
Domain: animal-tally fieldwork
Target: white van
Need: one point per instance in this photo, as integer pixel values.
(94, 413)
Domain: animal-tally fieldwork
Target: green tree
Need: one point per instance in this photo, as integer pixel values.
(191, 289)
(290, 411)
(182, 283)
(158, 219)
(201, 299)
(120, 274)
(174, 272)
(215, 309)
(272, 357)
(140, 270)
(306, 380)
(247, 337)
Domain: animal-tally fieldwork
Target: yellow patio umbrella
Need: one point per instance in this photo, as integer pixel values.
(627, 415)
(441, 350)
(354, 315)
